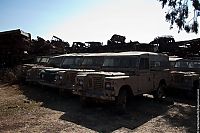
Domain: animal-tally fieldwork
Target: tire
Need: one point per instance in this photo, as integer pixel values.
(122, 100)
(160, 92)
(193, 92)
(61, 92)
(83, 101)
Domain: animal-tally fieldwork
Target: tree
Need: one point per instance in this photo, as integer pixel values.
(178, 14)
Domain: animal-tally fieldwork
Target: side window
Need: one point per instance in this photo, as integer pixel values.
(161, 64)
(144, 63)
(154, 64)
(181, 64)
(38, 59)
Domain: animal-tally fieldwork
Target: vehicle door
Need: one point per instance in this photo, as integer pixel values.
(145, 77)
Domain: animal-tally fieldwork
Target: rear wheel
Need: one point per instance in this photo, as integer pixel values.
(122, 100)
(193, 92)
(160, 92)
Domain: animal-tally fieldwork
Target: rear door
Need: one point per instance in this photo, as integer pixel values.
(145, 77)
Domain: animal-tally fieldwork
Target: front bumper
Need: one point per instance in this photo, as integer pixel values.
(107, 95)
(36, 79)
(44, 83)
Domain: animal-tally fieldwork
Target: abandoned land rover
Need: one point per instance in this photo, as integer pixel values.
(65, 79)
(33, 75)
(69, 61)
(125, 74)
(23, 69)
(185, 75)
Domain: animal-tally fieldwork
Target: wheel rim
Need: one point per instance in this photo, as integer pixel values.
(122, 101)
(160, 92)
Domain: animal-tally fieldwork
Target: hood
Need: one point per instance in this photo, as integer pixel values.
(29, 65)
(55, 69)
(41, 67)
(103, 73)
(67, 70)
(184, 73)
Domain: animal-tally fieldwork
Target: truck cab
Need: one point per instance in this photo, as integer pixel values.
(65, 79)
(185, 74)
(33, 74)
(49, 76)
(125, 74)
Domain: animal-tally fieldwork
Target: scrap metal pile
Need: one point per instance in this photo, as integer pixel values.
(185, 49)
(17, 47)
(13, 47)
(115, 44)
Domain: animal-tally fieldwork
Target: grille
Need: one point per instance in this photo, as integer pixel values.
(97, 83)
(72, 77)
(33, 74)
(49, 77)
(178, 78)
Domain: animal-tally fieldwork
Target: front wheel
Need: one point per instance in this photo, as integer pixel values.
(122, 100)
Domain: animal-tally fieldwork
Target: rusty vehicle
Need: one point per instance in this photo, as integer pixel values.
(48, 76)
(24, 68)
(65, 79)
(14, 47)
(33, 74)
(185, 74)
(125, 74)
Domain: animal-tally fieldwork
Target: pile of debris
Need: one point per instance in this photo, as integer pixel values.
(17, 47)
(14, 46)
(167, 44)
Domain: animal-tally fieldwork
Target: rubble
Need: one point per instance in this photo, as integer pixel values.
(17, 47)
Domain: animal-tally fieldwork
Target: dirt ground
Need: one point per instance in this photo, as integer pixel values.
(26, 108)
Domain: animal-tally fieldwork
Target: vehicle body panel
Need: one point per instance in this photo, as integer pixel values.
(140, 79)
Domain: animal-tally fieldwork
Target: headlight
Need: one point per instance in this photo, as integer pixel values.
(42, 75)
(81, 82)
(39, 73)
(107, 85)
(28, 73)
(56, 77)
(60, 77)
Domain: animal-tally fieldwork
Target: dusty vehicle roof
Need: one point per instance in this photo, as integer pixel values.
(141, 53)
(71, 54)
(172, 58)
(183, 59)
(129, 53)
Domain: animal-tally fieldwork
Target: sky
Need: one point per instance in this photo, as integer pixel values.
(89, 20)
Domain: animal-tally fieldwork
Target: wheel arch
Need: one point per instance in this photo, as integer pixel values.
(196, 83)
(162, 82)
(127, 88)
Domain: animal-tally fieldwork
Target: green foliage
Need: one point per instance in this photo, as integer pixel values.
(178, 14)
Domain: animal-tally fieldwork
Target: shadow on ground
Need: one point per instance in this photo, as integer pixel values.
(104, 117)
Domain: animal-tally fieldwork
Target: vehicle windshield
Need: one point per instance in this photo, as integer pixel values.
(55, 62)
(92, 62)
(194, 64)
(72, 62)
(44, 60)
(38, 59)
(120, 62)
(181, 64)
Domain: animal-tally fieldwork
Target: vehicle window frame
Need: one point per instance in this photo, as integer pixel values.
(147, 62)
(120, 62)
